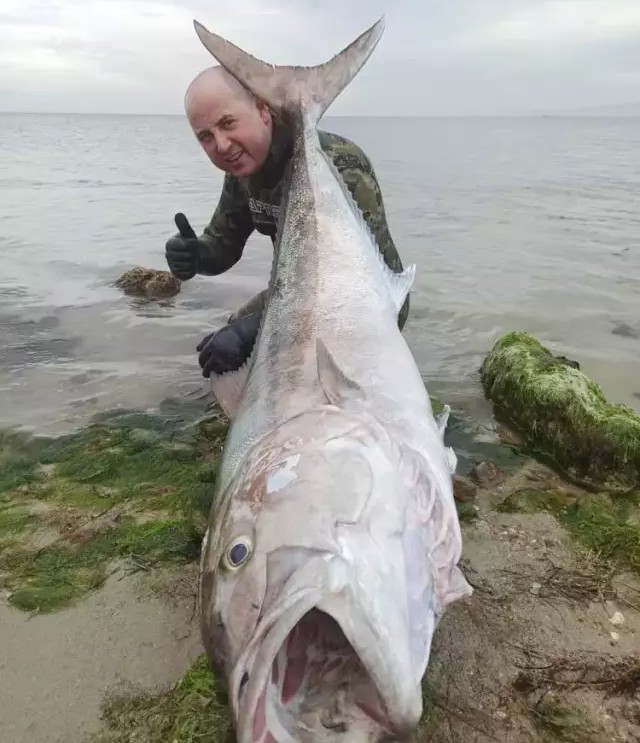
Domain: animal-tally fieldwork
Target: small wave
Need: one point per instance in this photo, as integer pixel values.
(37, 351)
(100, 183)
(17, 181)
(13, 292)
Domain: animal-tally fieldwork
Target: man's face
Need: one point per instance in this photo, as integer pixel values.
(233, 129)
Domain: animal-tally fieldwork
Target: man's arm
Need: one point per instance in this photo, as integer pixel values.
(358, 174)
(222, 242)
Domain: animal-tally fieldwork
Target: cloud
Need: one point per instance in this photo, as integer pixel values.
(454, 57)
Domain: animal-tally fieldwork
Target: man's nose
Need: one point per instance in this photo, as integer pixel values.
(223, 143)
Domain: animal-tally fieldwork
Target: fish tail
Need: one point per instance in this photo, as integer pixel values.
(288, 88)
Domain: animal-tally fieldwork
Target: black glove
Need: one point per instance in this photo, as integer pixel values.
(227, 349)
(181, 250)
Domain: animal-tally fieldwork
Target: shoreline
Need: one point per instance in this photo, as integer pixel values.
(122, 653)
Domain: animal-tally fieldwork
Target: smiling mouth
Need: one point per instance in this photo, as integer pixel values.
(235, 157)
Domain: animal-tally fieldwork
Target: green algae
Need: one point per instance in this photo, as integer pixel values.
(133, 464)
(16, 464)
(561, 721)
(15, 523)
(608, 527)
(14, 520)
(529, 500)
(466, 512)
(610, 532)
(432, 716)
(562, 415)
(47, 579)
(160, 541)
(194, 709)
(129, 486)
(16, 472)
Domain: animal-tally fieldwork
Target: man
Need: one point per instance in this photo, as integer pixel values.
(242, 137)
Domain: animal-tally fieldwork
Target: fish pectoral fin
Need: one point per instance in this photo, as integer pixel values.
(441, 422)
(442, 418)
(228, 388)
(452, 459)
(452, 585)
(335, 383)
(400, 284)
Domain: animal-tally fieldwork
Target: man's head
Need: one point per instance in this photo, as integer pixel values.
(233, 127)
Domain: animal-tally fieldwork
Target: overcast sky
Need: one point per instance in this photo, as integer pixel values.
(444, 57)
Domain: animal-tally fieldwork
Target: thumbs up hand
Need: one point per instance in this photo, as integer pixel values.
(181, 251)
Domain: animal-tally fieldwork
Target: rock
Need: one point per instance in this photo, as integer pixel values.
(149, 282)
(464, 491)
(487, 475)
(508, 437)
(626, 331)
(562, 415)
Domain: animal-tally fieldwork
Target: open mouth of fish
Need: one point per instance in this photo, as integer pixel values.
(308, 682)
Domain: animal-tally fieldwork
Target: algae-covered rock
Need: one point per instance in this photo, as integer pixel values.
(149, 282)
(562, 414)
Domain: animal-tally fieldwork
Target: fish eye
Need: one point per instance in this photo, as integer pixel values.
(237, 553)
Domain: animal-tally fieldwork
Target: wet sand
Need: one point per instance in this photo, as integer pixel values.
(57, 669)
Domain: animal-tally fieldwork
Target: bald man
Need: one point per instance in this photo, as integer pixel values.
(241, 136)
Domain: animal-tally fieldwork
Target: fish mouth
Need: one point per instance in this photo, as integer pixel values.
(308, 682)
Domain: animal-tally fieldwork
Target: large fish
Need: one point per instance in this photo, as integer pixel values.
(333, 543)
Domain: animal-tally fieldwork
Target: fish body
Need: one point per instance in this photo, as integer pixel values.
(333, 542)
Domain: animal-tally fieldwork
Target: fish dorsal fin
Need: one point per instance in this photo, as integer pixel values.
(337, 386)
(398, 284)
(228, 389)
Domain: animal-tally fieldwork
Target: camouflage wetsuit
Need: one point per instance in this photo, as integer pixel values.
(253, 203)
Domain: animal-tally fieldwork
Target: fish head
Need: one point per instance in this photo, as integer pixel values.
(320, 582)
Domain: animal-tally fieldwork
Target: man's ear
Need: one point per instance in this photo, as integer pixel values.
(265, 113)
